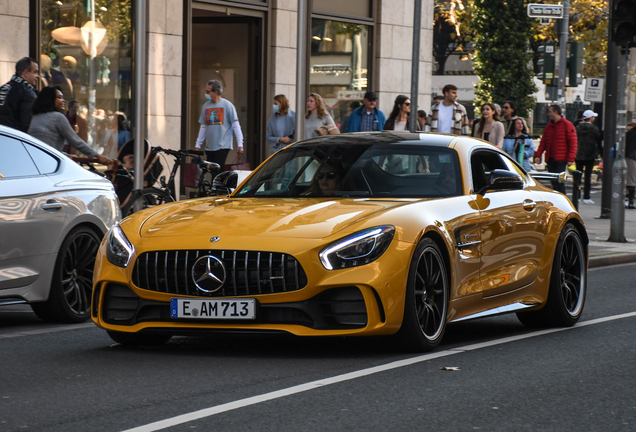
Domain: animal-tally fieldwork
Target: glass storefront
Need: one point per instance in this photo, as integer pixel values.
(339, 64)
(86, 50)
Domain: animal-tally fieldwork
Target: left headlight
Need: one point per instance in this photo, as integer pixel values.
(357, 249)
(118, 247)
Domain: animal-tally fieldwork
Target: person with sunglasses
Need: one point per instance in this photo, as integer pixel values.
(327, 179)
(399, 118)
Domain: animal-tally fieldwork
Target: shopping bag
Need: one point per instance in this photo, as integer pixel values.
(191, 174)
(239, 165)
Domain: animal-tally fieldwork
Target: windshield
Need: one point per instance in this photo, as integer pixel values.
(357, 170)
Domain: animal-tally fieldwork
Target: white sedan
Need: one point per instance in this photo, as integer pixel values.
(53, 216)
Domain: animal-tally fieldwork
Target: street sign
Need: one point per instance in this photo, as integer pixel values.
(594, 89)
(545, 21)
(545, 11)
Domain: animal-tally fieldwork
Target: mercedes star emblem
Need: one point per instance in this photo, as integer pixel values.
(208, 274)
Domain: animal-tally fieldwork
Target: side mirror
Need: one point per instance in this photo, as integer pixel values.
(225, 182)
(500, 179)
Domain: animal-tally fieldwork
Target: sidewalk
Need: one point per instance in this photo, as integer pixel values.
(603, 252)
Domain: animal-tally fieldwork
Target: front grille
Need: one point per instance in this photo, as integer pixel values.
(247, 272)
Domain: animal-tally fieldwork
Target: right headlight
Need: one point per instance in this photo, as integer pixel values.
(118, 247)
(357, 249)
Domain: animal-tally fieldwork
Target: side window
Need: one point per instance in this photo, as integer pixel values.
(482, 163)
(514, 167)
(46, 163)
(15, 161)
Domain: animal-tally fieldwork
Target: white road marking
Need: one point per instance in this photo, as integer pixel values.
(208, 412)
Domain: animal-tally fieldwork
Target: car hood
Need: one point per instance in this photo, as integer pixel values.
(311, 218)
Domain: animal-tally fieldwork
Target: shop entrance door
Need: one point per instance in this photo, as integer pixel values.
(228, 49)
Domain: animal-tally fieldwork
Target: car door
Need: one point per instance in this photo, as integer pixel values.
(512, 231)
(32, 214)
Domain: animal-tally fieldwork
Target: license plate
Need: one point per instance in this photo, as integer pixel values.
(239, 309)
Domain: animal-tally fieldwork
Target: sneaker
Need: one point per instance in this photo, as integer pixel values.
(588, 201)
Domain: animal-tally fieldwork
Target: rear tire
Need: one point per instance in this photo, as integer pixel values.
(148, 197)
(133, 340)
(72, 284)
(426, 303)
(568, 285)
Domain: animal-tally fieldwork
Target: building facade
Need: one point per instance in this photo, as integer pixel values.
(86, 47)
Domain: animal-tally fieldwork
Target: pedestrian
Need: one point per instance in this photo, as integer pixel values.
(367, 117)
(317, 121)
(519, 145)
(497, 109)
(438, 99)
(579, 118)
(343, 124)
(509, 110)
(630, 159)
(448, 116)
(123, 130)
(490, 128)
(588, 140)
(630, 126)
(399, 118)
(77, 122)
(50, 125)
(559, 142)
(18, 95)
(218, 119)
(421, 118)
(281, 125)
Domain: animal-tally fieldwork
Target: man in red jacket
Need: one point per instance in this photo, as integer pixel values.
(559, 143)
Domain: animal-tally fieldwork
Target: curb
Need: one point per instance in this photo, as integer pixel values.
(608, 260)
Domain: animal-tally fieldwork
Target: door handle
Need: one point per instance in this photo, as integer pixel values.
(52, 205)
(529, 205)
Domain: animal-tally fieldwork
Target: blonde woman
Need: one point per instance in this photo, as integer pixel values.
(490, 128)
(317, 117)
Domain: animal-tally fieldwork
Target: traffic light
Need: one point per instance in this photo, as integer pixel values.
(575, 64)
(622, 29)
(546, 63)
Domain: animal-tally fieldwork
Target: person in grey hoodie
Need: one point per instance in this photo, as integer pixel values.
(51, 126)
(588, 149)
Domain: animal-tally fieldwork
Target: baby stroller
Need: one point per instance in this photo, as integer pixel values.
(125, 175)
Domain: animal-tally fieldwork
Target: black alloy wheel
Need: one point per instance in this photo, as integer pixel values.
(72, 285)
(568, 284)
(427, 296)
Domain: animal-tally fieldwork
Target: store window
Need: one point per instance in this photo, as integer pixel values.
(86, 50)
(339, 64)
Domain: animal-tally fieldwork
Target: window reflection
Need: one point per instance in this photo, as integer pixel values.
(86, 50)
(339, 64)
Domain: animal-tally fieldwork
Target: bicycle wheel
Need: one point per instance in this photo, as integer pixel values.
(148, 197)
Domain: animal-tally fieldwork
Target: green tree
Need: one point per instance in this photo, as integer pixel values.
(502, 58)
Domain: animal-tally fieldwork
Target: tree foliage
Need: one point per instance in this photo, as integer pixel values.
(502, 33)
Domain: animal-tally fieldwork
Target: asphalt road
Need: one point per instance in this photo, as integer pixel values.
(505, 377)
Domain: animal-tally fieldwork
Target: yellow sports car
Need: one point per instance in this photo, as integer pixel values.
(381, 233)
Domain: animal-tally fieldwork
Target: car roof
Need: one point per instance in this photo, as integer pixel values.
(384, 137)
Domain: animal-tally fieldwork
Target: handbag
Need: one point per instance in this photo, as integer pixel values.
(240, 165)
(327, 130)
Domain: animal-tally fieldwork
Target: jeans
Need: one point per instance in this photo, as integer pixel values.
(557, 167)
(586, 166)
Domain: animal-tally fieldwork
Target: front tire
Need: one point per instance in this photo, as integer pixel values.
(426, 303)
(72, 285)
(568, 284)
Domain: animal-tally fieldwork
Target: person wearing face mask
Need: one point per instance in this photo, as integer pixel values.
(218, 119)
(280, 126)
